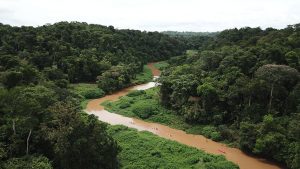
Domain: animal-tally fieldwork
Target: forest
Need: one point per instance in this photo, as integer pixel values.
(245, 83)
(238, 86)
(41, 121)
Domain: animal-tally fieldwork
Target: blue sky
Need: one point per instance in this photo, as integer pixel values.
(155, 15)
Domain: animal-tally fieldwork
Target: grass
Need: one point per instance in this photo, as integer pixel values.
(143, 77)
(84, 103)
(84, 89)
(126, 105)
(161, 65)
(86, 92)
(144, 150)
(145, 105)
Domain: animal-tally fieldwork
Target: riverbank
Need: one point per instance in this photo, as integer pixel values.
(146, 150)
(235, 155)
(148, 100)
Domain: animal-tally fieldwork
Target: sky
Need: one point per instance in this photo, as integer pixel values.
(155, 15)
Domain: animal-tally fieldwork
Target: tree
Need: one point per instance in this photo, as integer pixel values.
(277, 75)
(292, 59)
(11, 79)
(28, 162)
(116, 77)
(76, 142)
(248, 134)
(208, 95)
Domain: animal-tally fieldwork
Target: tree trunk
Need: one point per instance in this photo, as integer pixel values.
(203, 104)
(14, 127)
(28, 138)
(249, 101)
(271, 97)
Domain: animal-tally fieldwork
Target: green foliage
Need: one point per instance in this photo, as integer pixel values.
(192, 40)
(88, 91)
(49, 118)
(144, 109)
(293, 59)
(138, 103)
(11, 79)
(143, 77)
(136, 93)
(23, 76)
(62, 83)
(211, 132)
(145, 150)
(161, 65)
(124, 105)
(189, 34)
(92, 94)
(79, 138)
(244, 83)
(116, 78)
(79, 52)
(39, 162)
(54, 74)
(191, 52)
(293, 160)
(84, 103)
(248, 134)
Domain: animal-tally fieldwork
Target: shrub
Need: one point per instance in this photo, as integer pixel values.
(93, 93)
(227, 133)
(155, 153)
(161, 65)
(136, 93)
(220, 165)
(62, 83)
(215, 135)
(124, 104)
(88, 91)
(28, 162)
(211, 132)
(144, 109)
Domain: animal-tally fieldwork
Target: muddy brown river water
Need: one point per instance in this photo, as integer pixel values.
(233, 154)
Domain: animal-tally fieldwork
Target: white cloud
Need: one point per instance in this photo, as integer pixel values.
(181, 15)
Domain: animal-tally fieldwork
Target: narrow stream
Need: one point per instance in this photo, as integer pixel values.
(198, 141)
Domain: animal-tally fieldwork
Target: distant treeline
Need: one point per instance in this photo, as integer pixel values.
(189, 34)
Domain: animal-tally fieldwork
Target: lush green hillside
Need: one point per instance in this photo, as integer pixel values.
(41, 123)
(79, 52)
(245, 82)
(242, 83)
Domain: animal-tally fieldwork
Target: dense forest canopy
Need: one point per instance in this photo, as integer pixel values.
(189, 34)
(245, 82)
(79, 50)
(41, 122)
(192, 40)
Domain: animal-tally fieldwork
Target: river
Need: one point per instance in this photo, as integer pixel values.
(198, 141)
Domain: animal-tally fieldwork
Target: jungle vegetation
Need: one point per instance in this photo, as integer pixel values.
(44, 73)
(245, 83)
